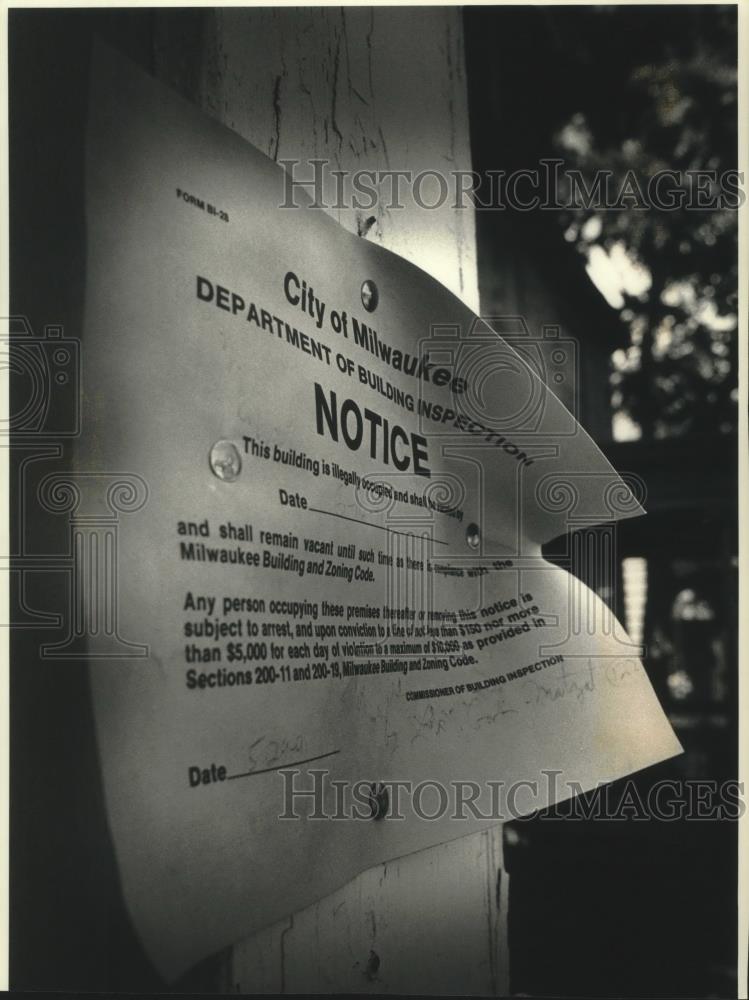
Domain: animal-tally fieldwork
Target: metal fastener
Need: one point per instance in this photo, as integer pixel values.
(369, 295)
(473, 535)
(379, 798)
(225, 461)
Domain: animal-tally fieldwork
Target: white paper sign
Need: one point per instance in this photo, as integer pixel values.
(327, 556)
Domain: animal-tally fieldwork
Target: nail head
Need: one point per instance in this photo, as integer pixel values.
(225, 461)
(369, 295)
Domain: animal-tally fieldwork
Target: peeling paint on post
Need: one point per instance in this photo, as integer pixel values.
(376, 89)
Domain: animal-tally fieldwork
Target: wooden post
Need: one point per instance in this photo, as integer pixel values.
(365, 89)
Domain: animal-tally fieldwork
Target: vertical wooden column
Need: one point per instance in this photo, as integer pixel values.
(380, 89)
(365, 88)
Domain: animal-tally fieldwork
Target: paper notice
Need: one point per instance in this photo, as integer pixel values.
(331, 484)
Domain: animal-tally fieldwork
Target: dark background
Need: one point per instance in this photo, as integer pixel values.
(623, 907)
(597, 908)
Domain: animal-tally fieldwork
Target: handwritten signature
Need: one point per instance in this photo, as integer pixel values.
(579, 684)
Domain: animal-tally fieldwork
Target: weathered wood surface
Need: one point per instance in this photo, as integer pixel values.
(431, 923)
(365, 88)
(375, 89)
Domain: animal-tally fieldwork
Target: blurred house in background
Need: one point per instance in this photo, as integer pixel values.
(643, 306)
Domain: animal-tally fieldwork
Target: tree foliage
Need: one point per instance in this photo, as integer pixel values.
(661, 95)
